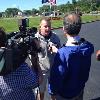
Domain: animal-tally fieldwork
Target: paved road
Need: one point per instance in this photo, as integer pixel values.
(91, 32)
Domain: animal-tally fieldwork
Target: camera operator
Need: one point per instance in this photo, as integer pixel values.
(16, 84)
(47, 39)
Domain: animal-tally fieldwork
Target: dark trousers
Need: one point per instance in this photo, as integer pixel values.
(78, 97)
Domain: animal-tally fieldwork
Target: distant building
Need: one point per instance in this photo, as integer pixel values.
(20, 13)
(53, 13)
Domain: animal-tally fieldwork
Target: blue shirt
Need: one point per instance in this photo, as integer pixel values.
(18, 85)
(70, 70)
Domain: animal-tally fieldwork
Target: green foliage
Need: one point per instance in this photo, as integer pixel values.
(27, 12)
(34, 11)
(74, 2)
(11, 12)
(45, 8)
(85, 6)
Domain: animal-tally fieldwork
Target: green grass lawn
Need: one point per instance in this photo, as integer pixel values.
(89, 18)
(11, 24)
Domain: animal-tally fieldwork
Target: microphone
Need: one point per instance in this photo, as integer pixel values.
(51, 46)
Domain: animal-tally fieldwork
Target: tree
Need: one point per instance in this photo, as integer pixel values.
(0, 14)
(11, 12)
(74, 2)
(34, 11)
(44, 8)
(27, 12)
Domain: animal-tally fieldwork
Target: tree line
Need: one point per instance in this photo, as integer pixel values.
(85, 6)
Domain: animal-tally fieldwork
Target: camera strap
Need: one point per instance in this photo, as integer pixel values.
(30, 59)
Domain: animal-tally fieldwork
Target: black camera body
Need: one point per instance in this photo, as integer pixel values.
(23, 42)
(18, 46)
(23, 24)
(25, 38)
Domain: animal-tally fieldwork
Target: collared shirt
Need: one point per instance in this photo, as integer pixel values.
(71, 40)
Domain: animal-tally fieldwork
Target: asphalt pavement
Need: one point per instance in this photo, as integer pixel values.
(91, 32)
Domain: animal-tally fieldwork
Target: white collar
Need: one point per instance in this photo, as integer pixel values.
(72, 39)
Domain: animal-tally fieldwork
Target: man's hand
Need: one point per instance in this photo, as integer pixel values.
(98, 55)
(54, 49)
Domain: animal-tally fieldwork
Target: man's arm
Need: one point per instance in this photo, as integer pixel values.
(57, 73)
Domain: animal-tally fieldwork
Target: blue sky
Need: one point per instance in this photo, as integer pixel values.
(24, 4)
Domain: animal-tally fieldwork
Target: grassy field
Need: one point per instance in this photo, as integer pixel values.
(11, 24)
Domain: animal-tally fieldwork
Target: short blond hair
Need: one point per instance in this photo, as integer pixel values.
(46, 19)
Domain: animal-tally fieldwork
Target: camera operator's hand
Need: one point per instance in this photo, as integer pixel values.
(98, 55)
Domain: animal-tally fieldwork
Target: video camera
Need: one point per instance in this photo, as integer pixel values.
(23, 42)
(25, 38)
(23, 25)
(18, 46)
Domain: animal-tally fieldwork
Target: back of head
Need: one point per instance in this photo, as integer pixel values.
(2, 37)
(72, 23)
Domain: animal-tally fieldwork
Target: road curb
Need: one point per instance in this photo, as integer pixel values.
(90, 21)
(82, 23)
